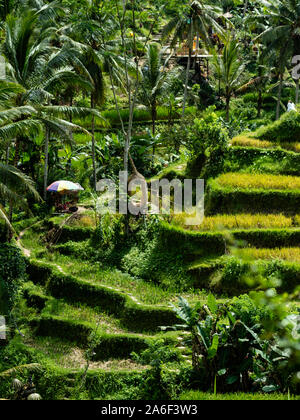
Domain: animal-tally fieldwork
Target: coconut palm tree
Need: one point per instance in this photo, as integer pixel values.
(229, 69)
(199, 19)
(155, 79)
(14, 187)
(91, 58)
(259, 82)
(41, 70)
(282, 36)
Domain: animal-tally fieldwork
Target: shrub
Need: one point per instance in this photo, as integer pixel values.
(208, 143)
(275, 161)
(249, 311)
(233, 278)
(12, 273)
(286, 129)
(160, 382)
(71, 233)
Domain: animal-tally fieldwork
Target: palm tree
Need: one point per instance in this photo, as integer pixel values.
(259, 82)
(229, 69)
(40, 69)
(97, 98)
(14, 187)
(282, 36)
(155, 80)
(199, 19)
(92, 60)
(5, 8)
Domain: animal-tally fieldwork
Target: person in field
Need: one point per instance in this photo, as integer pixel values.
(291, 106)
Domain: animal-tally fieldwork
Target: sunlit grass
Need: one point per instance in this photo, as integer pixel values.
(144, 292)
(199, 395)
(259, 181)
(83, 313)
(67, 355)
(286, 254)
(245, 141)
(239, 221)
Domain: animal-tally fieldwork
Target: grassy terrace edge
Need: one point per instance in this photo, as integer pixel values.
(132, 314)
(221, 200)
(176, 236)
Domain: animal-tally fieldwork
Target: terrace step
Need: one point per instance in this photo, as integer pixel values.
(132, 314)
(235, 201)
(202, 272)
(110, 346)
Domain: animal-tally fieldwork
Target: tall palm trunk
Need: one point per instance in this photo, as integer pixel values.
(17, 151)
(15, 164)
(7, 155)
(93, 146)
(46, 164)
(188, 69)
(245, 6)
(154, 116)
(227, 106)
(279, 96)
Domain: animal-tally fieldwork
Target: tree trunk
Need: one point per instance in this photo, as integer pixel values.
(245, 6)
(17, 152)
(279, 96)
(227, 107)
(186, 82)
(7, 155)
(47, 138)
(15, 164)
(188, 70)
(93, 147)
(154, 116)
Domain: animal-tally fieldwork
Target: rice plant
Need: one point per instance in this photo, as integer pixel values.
(259, 181)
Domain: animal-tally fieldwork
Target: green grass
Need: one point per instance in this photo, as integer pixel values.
(84, 313)
(144, 292)
(205, 396)
(65, 355)
(174, 170)
(32, 240)
(140, 115)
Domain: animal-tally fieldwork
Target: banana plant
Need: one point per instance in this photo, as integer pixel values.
(227, 352)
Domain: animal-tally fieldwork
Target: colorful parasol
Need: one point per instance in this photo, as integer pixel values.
(64, 186)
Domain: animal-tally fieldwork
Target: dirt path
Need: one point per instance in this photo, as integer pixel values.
(25, 251)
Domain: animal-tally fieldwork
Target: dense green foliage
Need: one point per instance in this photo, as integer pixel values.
(12, 274)
(162, 90)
